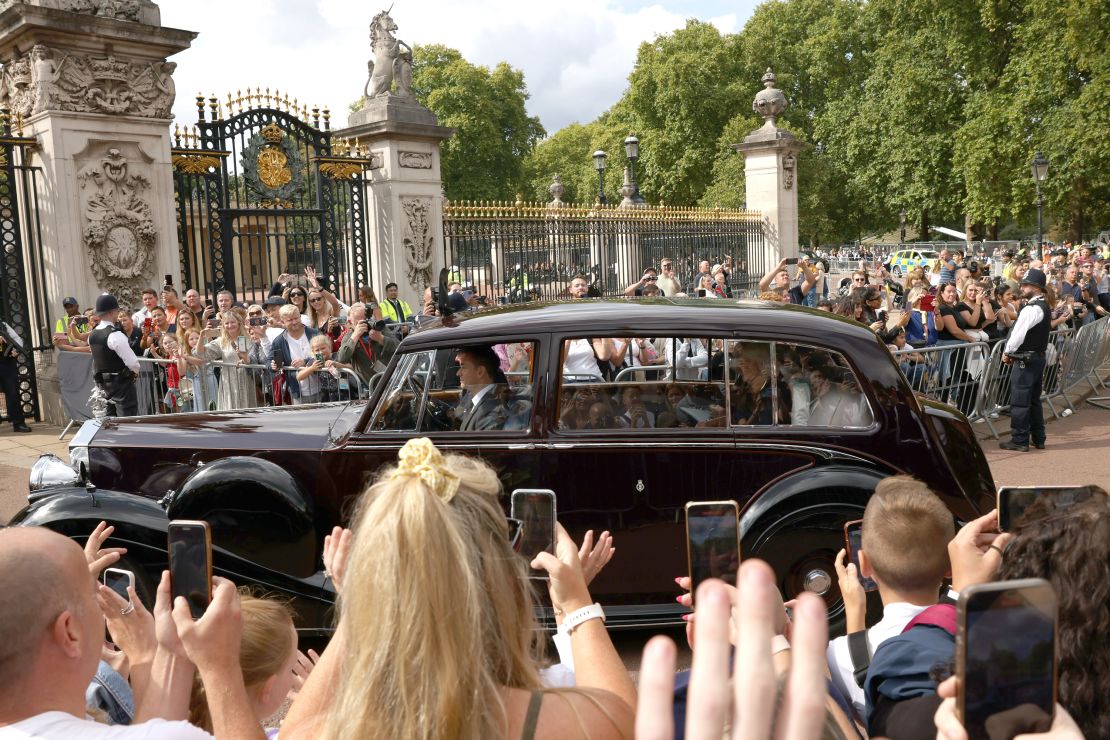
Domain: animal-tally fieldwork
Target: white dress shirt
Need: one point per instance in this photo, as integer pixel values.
(1029, 317)
(117, 342)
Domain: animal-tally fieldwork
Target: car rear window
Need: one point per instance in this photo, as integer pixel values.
(682, 385)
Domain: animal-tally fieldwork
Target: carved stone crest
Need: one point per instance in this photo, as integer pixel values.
(789, 163)
(272, 170)
(415, 160)
(119, 233)
(141, 11)
(44, 79)
(418, 241)
(392, 62)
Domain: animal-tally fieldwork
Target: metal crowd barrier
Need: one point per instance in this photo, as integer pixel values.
(161, 391)
(949, 373)
(972, 377)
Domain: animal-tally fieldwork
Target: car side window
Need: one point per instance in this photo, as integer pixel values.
(398, 408)
(477, 388)
(821, 387)
(756, 396)
(647, 383)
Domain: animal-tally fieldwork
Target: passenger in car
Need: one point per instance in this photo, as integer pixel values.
(832, 405)
(514, 409)
(636, 415)
(752, 395)
(479, 372)
(796, 379)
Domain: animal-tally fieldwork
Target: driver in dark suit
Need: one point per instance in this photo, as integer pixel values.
(479, 374)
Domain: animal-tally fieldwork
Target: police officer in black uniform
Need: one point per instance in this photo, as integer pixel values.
(1025, 350)
(115, 366)
(11, 346)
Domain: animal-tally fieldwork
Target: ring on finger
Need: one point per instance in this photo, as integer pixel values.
(130, 608)
(997, 549)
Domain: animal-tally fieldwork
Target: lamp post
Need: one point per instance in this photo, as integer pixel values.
(632, 151)
(1040, 172)
(902, 226)
(599, 165)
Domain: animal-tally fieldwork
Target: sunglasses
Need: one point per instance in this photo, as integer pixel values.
(255, 313)
(317, 299)
(516, 532)
(650, 279)
(859, 280)
(297, 295)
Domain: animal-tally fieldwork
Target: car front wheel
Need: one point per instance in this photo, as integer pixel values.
(801, 545)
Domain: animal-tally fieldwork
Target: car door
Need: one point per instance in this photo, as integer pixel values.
(631, 470)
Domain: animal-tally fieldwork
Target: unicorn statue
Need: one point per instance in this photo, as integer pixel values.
(392, 60)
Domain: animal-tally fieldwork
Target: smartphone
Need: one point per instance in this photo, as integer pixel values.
(118, 580)
(853, 543)
(791, 261)
(213, 323)
(712, 541)
(189, 544)
(319, 357)
(1006, 658)
(535, 507)
(81, 322)
(169, 280)
(258, 321)
(147, 323)
(701, 292)
(241, 343)
(1013, 501)
(928, 303)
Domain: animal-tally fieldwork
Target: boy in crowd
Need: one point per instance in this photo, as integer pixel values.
(906, 529)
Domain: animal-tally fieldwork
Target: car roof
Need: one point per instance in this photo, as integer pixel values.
(640, 317)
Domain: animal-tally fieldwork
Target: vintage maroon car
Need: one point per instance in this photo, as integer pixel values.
(795, 414)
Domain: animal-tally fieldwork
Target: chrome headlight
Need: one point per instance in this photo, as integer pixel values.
(50, 471)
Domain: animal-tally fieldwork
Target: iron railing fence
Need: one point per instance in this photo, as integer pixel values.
(512, 252)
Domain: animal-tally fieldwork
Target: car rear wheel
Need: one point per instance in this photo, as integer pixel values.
(800, 544)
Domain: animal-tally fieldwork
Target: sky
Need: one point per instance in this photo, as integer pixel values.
(576, 54)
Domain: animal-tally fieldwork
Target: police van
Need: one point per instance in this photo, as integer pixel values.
(905, 260)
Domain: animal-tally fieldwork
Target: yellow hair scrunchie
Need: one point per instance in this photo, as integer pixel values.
(419, 458)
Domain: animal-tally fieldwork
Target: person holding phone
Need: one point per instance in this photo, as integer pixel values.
(478, 677)
(1025, 350)
(778, 280)
(233, 347)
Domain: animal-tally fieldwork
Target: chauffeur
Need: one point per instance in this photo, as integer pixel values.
(115, 366)
(1025, 349)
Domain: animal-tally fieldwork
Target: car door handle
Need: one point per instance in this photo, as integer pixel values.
(526, 446)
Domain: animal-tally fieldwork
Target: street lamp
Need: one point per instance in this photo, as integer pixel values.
(1040, 172)
(599, 165)
(902, 226)
(632, 151)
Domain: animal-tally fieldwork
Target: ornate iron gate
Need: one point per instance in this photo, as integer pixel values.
(22, 282)
(264, 192)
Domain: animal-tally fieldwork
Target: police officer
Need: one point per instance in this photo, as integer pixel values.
(11, 346)
(1025, 350)
(115, 366)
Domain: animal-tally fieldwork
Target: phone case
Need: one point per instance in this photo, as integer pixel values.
(689, 554)
(207, 544)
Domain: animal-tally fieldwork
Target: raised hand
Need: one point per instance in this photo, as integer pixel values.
(97, 557)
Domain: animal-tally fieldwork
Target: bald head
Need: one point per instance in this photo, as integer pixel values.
(42, 574)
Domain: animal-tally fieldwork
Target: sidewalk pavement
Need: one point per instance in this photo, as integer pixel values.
(1076, 447)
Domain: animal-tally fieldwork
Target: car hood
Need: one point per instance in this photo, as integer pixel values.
(313, 427)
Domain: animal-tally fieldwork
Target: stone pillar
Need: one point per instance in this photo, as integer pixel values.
(770, 176)
(90, 82)
(406, 190)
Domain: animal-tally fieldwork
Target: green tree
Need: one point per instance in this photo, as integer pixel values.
(484, 159)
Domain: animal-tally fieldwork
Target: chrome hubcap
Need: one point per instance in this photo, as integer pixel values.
(818, 582)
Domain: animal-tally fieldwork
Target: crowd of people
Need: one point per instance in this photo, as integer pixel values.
(446, 645)
(299, 345)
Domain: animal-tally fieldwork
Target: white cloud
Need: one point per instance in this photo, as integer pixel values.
(576, 55)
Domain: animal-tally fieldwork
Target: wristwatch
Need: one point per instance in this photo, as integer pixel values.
(585, 614)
